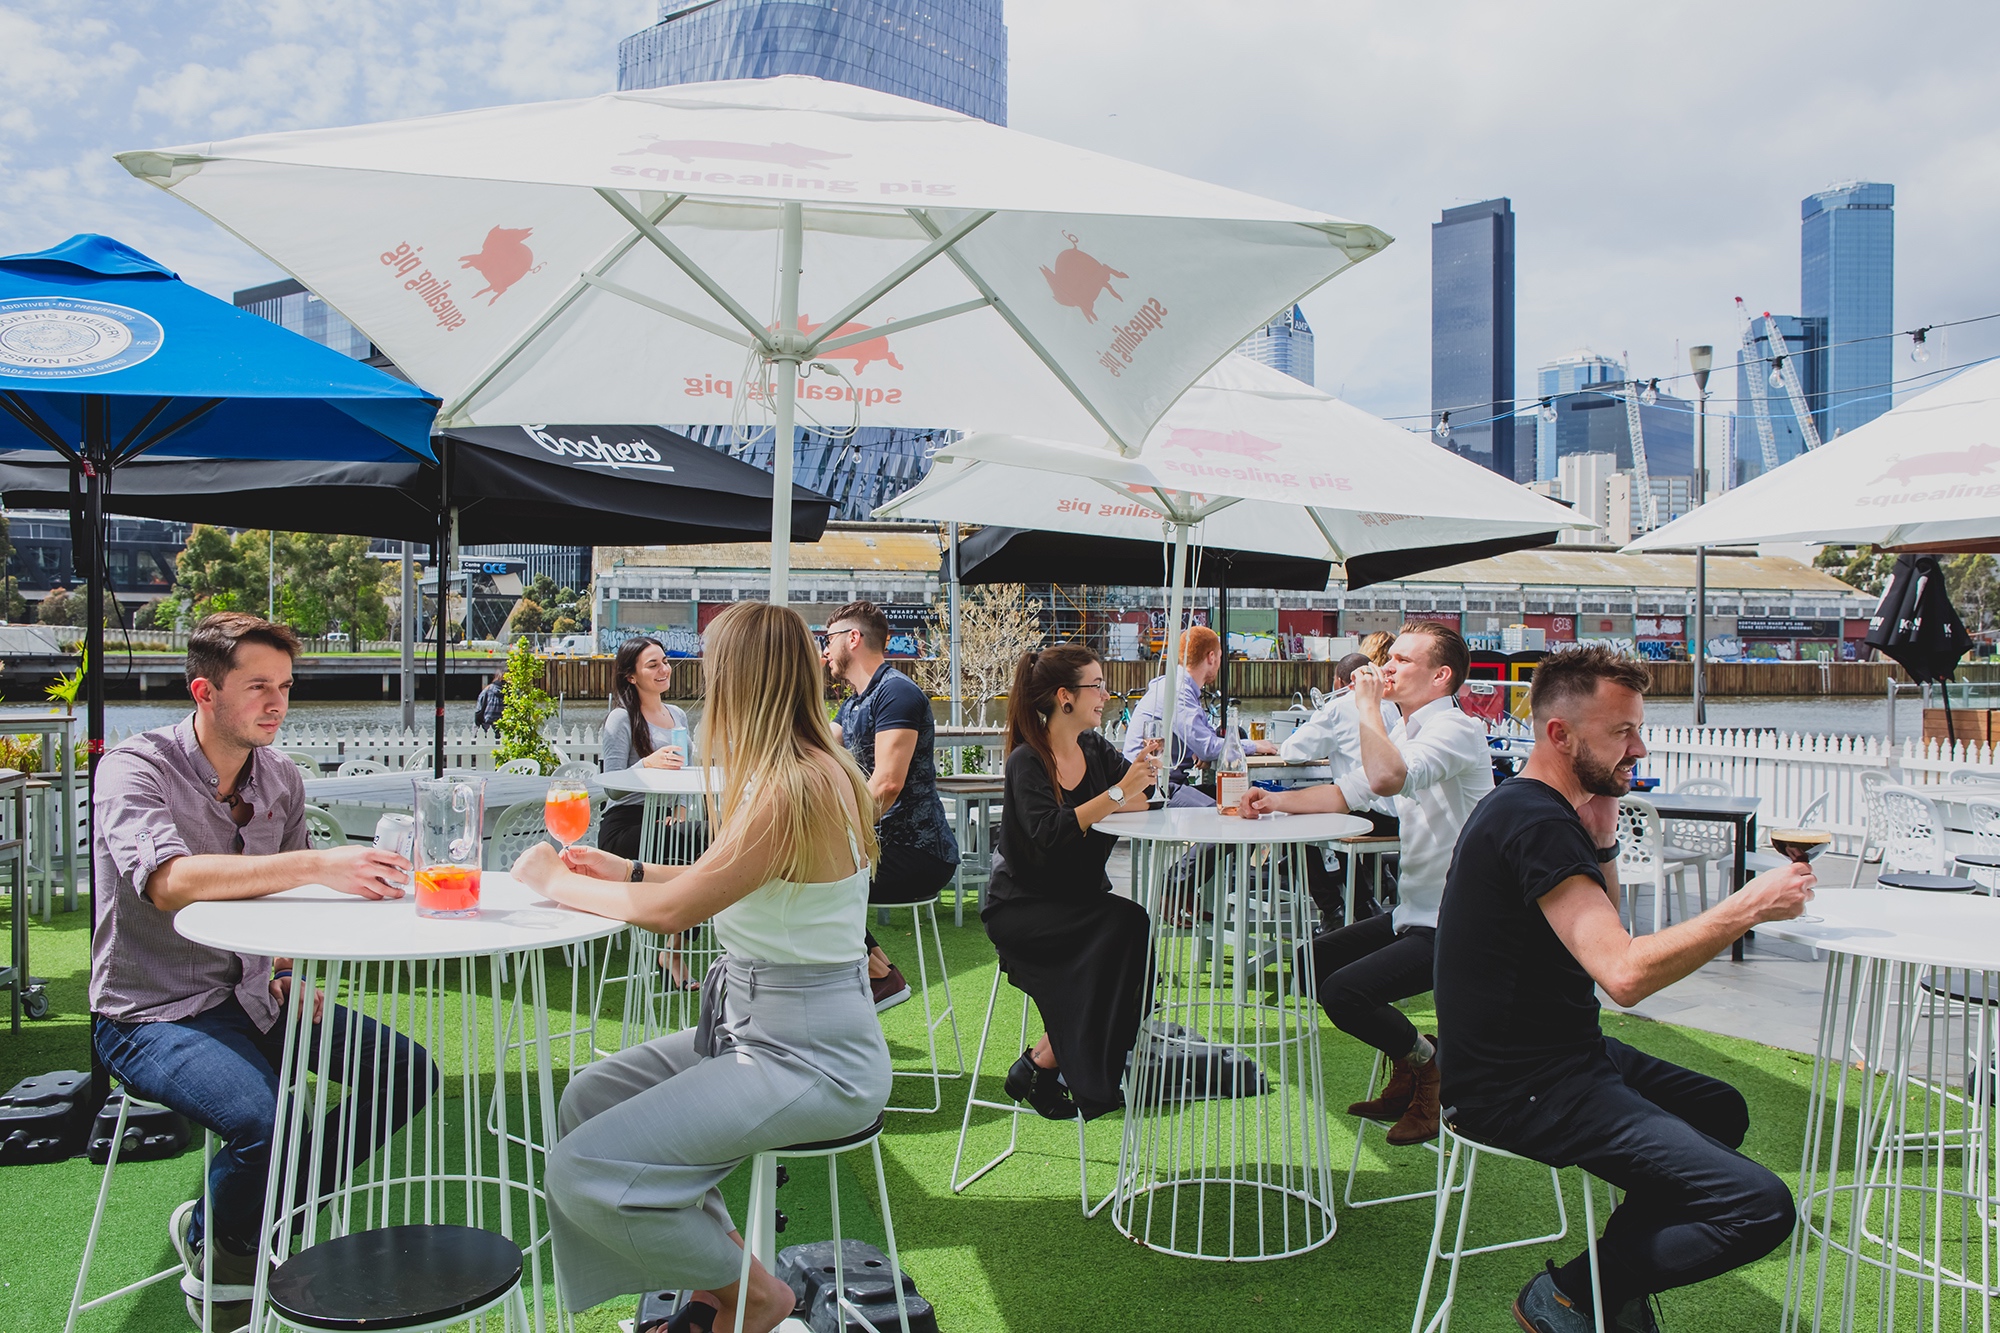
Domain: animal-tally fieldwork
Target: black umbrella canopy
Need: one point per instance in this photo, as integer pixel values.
(1916, 624)
(560, 485)
(1023, 555)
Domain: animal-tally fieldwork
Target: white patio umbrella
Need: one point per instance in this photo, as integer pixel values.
(1924, 476)
(705, 253)
(1254, 460)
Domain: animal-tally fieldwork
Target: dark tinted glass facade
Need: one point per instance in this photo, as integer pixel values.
(1286, 344)
(1472, 329)
(1847, 278)
(290, 304)
(1805, 343)
(950, 53)
(1596, 423)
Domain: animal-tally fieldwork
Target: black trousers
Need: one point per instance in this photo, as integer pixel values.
(1086, 962)
(1359, 970)
(906, 875)
(1694, 1206)
(618, 829)
(1325, 885)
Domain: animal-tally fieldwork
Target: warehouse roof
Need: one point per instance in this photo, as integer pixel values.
(1556, 567)
(915, 551)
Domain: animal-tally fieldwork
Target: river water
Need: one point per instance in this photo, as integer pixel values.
(1838, 716)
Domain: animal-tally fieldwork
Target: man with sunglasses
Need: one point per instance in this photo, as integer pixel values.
(204, 810)
(886, 725)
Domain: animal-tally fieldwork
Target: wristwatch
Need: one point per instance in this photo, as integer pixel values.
(638, 870)
(1116, 793)
(1606, 855)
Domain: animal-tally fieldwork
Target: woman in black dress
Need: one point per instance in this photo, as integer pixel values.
(1062, 936)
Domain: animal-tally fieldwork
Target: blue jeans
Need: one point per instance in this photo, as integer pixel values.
(219, 1071)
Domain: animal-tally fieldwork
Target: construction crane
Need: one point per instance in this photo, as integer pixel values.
(1760, 403)
(1640, 476)
(1783, 364)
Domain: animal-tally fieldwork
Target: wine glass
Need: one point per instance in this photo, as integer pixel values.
(1153, 735)
(1803, 845)
(566, 812)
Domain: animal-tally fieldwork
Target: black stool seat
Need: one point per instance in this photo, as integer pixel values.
(1965, 987)
(395, 1277)
(1900, 879)
(849, 1141)
(1980, 859)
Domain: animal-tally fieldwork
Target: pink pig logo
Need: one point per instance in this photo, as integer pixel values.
(1973, 462)
(861, 353)
(1242, 444)
(503, 260)
(1078, 279)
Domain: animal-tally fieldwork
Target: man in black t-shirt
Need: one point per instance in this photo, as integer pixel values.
(886, 725)
(1529, 929)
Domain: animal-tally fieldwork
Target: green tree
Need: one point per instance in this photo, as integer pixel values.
(528, 707)
(1974, 584)
(54, 609)
(529, 617)
(13, 607)
(1861, 567)
(215, 571)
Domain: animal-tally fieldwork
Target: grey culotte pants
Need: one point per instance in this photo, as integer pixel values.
(785, 1053)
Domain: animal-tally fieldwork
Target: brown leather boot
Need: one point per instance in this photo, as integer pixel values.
(1420, 1121)
(1395, 1098)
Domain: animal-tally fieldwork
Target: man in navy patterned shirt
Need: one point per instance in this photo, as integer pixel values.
(886, 725)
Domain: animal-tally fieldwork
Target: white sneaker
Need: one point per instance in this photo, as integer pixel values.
(177, 1231)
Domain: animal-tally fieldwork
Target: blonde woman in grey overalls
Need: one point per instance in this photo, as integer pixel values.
(788, 1049)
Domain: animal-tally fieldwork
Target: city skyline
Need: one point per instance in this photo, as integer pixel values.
(1389, 122)
(1472, 333)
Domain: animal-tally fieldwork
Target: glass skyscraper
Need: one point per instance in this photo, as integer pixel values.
(1847, 278)
(290, 304)
(1472, 330)
(950, 53)
(1805, 341)
(1286, 344)
(1565, 375)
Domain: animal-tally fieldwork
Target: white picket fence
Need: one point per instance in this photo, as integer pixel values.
(1790, 770)
(398, 747)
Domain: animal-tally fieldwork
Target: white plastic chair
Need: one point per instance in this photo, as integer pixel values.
(577, 770)
(1698, 843)
(526, 768)
(519, 827)
(1642, 860)
(307, 764)
(421, 761)
(1915, 833)
(1979, 847)
(323, 830)
(355, 768)
(1870, 783)
(1968, 777)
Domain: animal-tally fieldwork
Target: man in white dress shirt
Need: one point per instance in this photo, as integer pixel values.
(1433, 765)
(1333, 733)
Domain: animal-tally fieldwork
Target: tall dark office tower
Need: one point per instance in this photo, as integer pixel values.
(1472, 330)
(950, 53)
(1286, 344)
(1847, 278)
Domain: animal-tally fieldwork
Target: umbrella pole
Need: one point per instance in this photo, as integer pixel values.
(788, 340)
(1176, 601)
(1222, 627)
(957, 698)
(96, 462)
(408, 621)
(446, 519)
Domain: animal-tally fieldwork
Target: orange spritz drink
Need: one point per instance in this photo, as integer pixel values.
(447, 890)
(566, 813)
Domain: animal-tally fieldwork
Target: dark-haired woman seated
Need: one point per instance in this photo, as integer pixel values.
(1061, 934)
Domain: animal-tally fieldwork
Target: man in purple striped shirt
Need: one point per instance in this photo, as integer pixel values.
(205, 810)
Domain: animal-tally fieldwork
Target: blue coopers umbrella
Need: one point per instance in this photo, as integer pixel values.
(105, 355)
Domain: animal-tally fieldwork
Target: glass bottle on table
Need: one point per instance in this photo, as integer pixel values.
(1232, 768)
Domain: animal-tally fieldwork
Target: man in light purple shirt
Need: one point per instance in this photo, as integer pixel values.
(205, 810)
(1196, 741)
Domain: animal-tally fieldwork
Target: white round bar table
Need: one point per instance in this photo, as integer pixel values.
(1897, 1221)
(673, 831)
(473, 992)
(1226, 1158)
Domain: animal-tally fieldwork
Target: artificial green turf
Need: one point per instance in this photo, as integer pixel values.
(1013, 1252)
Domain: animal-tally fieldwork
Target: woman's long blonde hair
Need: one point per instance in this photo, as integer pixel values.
(764, 718)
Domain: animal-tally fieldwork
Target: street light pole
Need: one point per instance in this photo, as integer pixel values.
(1702, 359)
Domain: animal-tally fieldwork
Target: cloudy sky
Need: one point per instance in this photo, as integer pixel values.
(1655, 155)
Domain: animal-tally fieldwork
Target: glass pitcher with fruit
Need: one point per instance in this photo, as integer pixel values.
(451, 817)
